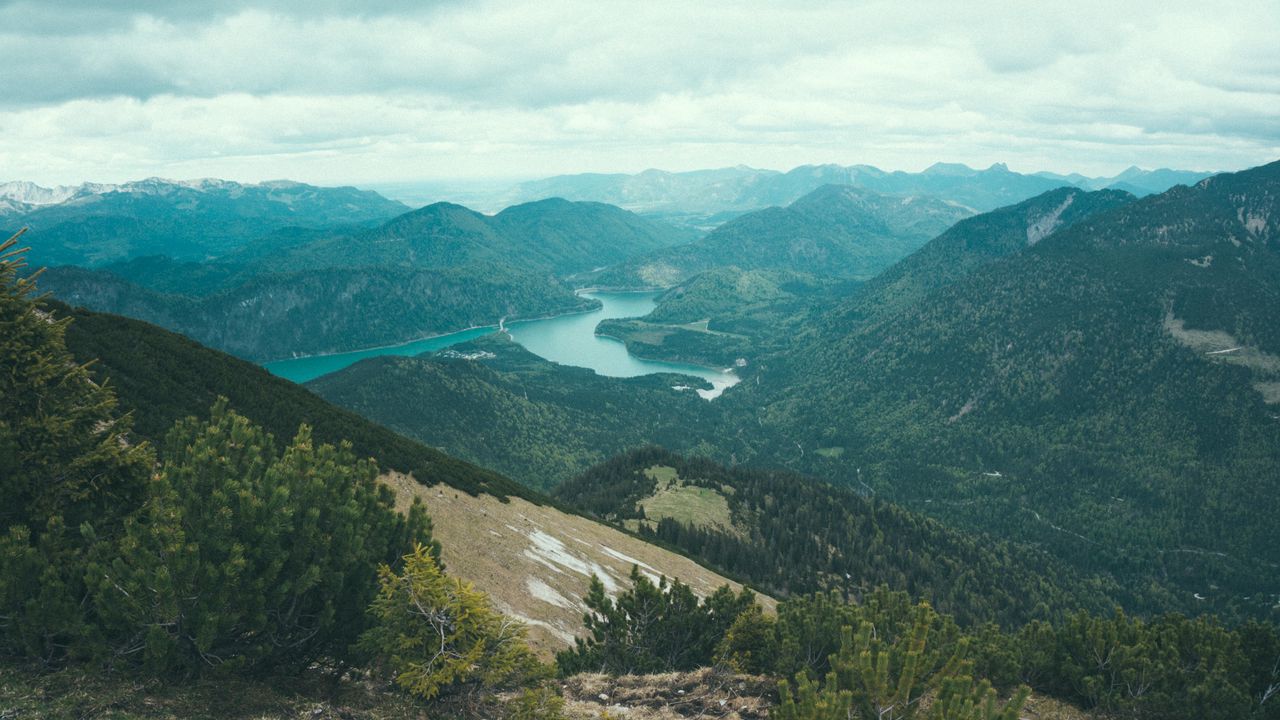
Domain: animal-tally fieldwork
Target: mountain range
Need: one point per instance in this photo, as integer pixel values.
(709, 197)
(92, 224)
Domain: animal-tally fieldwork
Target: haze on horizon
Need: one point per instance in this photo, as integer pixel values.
(334, 93)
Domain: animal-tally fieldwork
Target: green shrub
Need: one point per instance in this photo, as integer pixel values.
(436, 634)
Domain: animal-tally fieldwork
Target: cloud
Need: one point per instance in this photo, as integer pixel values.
(402, 90)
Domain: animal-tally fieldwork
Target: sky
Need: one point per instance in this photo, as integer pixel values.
(384, 90)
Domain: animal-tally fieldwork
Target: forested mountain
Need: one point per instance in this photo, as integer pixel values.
(837, 231)
(1107, 392)
(790, 534)
(972, 243)
(270, 316)
(93, 225)
(433, 270)
(552, 236)
(724, 315)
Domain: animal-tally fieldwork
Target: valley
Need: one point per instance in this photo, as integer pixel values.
(1014, 420)
(639, 361)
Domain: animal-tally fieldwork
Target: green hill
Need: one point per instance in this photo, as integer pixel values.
(515, 412)
(835, 230)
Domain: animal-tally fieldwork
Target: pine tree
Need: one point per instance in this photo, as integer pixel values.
(435, 633)
(879, 679)
(652, 627)
(69, 473)
(243, 558)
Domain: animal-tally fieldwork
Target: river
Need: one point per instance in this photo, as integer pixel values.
(565, 339)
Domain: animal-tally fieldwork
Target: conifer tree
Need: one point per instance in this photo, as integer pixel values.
(243, 558)
(652, 627)
(68, 473)
(876, 679)
(435, 633)
(63, 449)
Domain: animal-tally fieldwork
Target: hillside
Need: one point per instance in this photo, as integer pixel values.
(724, 315)
(536, 561)
(791, 535)
(972, 243)
(838, 231)
(92, 225)
(512, 411)
(1107, 392)
(161, 377)
(278, 315)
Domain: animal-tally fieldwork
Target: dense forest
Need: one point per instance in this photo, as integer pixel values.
(790, 535)
(1073, 394)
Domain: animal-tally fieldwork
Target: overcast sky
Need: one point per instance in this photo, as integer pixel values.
(314, 91)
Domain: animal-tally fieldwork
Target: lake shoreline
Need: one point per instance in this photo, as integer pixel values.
(564, 338)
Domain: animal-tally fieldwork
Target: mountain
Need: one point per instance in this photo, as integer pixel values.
(553, 236)
(1134, 180)
(972, 243)
(706, 198)
(572, 237)
(429, 271)
(1108, 391)
(726, 316)
(836, 230)
(97, 224)
(323, 310)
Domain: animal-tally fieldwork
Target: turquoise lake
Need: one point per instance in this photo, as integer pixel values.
(566, 339)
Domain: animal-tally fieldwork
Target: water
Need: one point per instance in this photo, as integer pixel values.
(303, 369)
(567, 339)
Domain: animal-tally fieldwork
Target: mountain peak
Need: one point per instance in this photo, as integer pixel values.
(952, 169)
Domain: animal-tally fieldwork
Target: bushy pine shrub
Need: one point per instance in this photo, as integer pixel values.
(435, 634)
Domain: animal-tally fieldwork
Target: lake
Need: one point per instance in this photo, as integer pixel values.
(565, 339)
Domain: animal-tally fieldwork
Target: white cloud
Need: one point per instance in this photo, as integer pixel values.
(253, 90)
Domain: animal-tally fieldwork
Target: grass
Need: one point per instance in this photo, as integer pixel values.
(689, 504)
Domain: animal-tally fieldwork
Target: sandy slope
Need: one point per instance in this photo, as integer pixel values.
(535, 562)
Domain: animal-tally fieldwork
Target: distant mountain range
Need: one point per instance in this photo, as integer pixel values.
(93, 224)
(709, 197)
